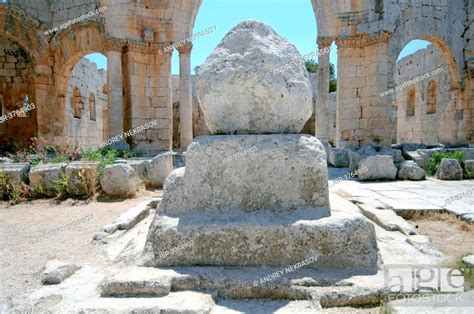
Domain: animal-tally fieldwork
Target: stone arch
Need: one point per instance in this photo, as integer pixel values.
(28, 33)
(69, 47)
(92, 107)
(431, 97)
(411, 100)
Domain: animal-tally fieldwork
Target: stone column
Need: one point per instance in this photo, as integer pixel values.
(321, 111)
(185, 96)
(115, 98)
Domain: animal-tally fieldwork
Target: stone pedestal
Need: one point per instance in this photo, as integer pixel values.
(255, 200)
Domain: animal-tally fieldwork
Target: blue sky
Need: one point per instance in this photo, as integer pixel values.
(292, 19)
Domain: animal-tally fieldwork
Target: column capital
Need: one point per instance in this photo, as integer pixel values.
(363, 40)
(324, 41)
(185, 49)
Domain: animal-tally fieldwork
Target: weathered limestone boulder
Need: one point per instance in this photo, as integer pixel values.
(395, 153)
(5, 160)
(425, 155)
(409, 170)
(377, 168)
(339, 157)
(44, 176)
(173, 188)
(160, 167)
(449, 169)
(368, 149)
(179, 160)
(468, 152)
(354, 160)
(56, 272)
(82, 178)
(119, 180)
(468, 261)
(469, 169)
(15, 172)
(140, 167)
(240, 92)
(223, 173)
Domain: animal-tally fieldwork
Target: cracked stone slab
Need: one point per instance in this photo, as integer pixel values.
(387, 219)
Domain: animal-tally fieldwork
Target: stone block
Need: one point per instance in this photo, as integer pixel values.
(377, 168)
(56, 272)
(160, 167)
(264, 238)
(469, 169)
(425, 155)
(45, 176)
(252, 173)
(339, 157)
(82, 178)
(15, 171)
(409, 170)
(449, 169)
(119, 180)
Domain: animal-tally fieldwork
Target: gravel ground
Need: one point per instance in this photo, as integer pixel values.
(24, 250)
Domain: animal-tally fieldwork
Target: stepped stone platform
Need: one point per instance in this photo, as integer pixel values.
(266, 207)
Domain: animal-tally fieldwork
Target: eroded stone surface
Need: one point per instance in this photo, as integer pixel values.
(378, 168)
(119, 180)
(251, 173)
(56, 271)
(160, 167)
(449, 169)
(409, 170)
(44, 176)
(239, 91)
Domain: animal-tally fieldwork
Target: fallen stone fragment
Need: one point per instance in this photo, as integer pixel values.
(409, 170)
(378, 168)
(468, 260)
(387, 219)
(57, 271)
(119, 180)
(449, 169)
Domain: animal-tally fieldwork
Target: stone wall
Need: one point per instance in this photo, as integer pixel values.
(425, 125)
(83, 126)
(15, 83)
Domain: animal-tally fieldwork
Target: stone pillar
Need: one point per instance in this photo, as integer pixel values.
(362, 75)
(185, 96)
(321, 112)
(115, 97)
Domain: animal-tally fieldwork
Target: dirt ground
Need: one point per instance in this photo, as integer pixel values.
(23, 252)
(452, 236)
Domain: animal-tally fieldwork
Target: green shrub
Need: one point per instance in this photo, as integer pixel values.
(436, 158)
(103, 156)
(13, 191)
